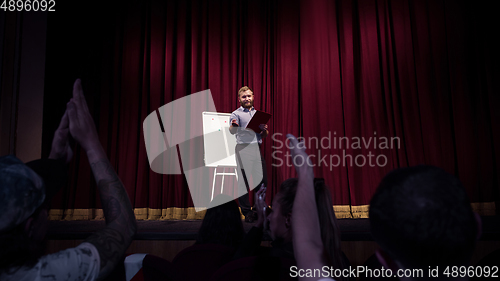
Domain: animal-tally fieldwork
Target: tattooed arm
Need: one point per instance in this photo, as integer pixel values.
(112, 241)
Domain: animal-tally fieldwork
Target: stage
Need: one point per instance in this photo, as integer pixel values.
(351, 229)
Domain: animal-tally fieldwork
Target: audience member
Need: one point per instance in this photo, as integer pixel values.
(25, 194)
(222, 223)
(220, 234)
(280, 221)
(280, 218)
(305, 222)
(421, 217)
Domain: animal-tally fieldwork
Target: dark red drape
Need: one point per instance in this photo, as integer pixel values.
(423, 73)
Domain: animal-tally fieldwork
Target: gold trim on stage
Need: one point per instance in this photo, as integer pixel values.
(484, 208)
(174, 213)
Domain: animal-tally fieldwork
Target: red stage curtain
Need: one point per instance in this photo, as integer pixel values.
(423, 72)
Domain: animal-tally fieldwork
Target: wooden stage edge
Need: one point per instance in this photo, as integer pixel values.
(351, 229)
(167, 238)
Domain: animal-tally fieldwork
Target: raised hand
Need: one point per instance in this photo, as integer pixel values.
(112, 241)
(299, 150)
(260, 205)
(81, 124)
(61, 148)
(305, 221)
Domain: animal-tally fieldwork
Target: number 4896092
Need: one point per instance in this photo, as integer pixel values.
(28, 5)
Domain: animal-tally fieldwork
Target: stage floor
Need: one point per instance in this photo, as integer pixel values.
(352, 229)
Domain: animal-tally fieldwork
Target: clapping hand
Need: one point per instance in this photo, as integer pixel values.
(81, 124)
(260, 205)
(61, 148)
